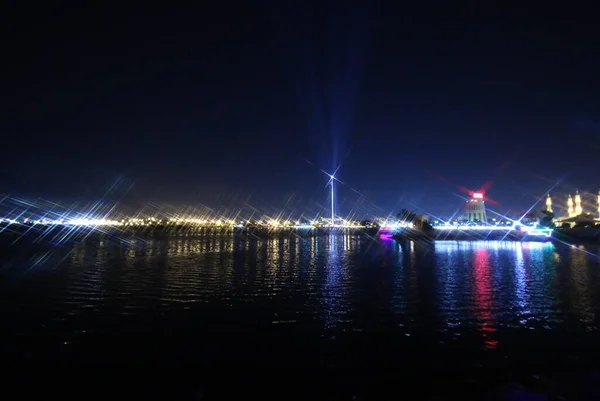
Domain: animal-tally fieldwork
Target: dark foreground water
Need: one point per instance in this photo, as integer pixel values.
(399, 321)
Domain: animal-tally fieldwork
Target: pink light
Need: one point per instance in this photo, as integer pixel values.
(477, 195)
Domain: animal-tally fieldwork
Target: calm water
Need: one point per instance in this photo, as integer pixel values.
(453, 310)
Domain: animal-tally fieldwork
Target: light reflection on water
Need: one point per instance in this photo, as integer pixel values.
(319, 286)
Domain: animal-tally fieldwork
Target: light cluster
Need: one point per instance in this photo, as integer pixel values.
(531, 230)
(188, 221)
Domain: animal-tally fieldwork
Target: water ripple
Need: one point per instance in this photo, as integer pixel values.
(322, 287)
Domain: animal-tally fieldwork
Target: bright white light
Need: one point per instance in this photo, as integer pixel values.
(92, 222)
(457, 227)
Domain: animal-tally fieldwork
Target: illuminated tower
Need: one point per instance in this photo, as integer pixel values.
(599, 204)
(578, 208)
(332, 183)
(332, 202)
(549, 203)
(570, 206)
(475, 209)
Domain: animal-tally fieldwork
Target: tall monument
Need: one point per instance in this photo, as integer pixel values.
(332, 202)
(578, 208)
(475, 208)
(599, 204)
(570, 210)
(548, 203)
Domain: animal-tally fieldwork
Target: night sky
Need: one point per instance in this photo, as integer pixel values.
(241, 104)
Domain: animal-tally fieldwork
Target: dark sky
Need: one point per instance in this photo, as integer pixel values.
(240, 104)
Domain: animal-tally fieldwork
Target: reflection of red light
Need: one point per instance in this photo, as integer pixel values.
(477, 195)
(484, 301)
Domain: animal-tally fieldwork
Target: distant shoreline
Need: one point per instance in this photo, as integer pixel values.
(61, 233)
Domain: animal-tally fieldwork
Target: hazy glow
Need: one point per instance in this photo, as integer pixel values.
(270, 223)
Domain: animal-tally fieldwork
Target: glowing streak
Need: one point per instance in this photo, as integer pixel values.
(331, 179)
(546, 232)
(529, 230)
(332, 203)
(467, 228)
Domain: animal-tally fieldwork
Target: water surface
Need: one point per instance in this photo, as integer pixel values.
(217, 300)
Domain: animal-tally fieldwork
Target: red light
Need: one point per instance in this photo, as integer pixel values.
(477, 195)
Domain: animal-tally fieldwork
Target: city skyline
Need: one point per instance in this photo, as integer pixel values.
(561, 205)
